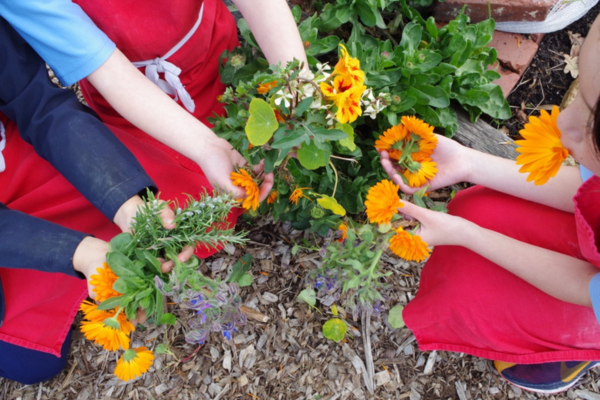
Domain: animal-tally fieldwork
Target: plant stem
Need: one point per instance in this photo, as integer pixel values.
(373, 265)
(336, 178)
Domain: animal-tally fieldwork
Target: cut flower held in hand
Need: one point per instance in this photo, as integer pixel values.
(542, 152)
(245, 180)
(411, 144)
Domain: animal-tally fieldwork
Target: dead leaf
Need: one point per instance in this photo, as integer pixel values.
(576, 43)
(521, 116)
(571, 65)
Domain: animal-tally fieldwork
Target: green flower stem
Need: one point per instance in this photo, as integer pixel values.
(373, 265)
(336, 178)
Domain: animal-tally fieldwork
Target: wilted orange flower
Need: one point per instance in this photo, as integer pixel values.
(244, 180)
(107, 334)
(103, 283)
(392, 141)
(542, 152)
(409, 246)
(272, 197)
(296, 195)
(344, 229)
(133, 363)
(382, 202)
(91, 313)
(348, 104)
(349, 66)
(420, 169)
(264, 88)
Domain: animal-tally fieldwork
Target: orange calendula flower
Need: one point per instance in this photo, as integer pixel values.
(382, 202)
(264, 88)
(409, 246)
(392, 141)
(344, 229)
(296, 195)
(244, 180)
(133, 363)
(348, 104)
(272, 197)
(349, 66)
(420, 169)
(91, 313)
(103, 283)
(427, 139)
(107, 334)
(542, 152)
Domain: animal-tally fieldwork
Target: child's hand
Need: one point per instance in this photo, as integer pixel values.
(125, 214)
(452, 161)
(220, 160)
(436, 228)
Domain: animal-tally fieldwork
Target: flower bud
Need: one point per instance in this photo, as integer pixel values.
(238, 61)
(317, 212)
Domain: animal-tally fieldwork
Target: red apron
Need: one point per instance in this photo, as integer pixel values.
(468, 304)
(49, 302)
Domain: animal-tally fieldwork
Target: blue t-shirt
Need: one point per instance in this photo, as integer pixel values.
(62, 34)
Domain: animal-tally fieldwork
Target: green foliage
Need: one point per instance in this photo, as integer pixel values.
(134, 258)
(335, 329)
(395, 318)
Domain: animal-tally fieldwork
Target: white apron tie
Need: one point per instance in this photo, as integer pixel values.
(171, 84)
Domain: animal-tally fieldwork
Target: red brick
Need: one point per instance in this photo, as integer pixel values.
(515, 53)
(502, 10)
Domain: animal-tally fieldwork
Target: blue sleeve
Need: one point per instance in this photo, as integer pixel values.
(594, 288)
(61, 33)
(65, 132)
(585, 173)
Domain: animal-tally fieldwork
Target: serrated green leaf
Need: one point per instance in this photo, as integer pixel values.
(335, 329)
(262, 122)
(395, 317)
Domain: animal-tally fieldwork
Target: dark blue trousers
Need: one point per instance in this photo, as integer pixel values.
(28, 366)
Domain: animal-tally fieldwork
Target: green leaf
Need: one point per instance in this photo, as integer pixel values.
(303, 106)
(297, 13)
(433, 96)
(293, 139)
(270, 160)
(121, 265)
(364, 10)
(329, 134)
(335, 329)
(151, 261)
(395, 317)
(168, 318)
(240, 268)
(330, 203)
(349, 141)
(262, 122)
(111, 303)
(121, 242)
(247, 33)
(245, 280)
(311, 157)
(308, 296)
(161, 349)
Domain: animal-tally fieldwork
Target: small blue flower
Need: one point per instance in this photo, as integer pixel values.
(227, 334)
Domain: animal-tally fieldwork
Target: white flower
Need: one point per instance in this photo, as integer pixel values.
(282, 96)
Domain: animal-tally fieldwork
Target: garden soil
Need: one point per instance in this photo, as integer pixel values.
(287, 356)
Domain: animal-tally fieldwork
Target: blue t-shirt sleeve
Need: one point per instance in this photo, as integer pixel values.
(62, 34)
(585, 173)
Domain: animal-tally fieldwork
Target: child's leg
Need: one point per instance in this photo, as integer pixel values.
(30, 366)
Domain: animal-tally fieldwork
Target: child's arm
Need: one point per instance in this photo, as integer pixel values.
(144, 105)
(274, 28)
(457, 163)
(556, 274)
